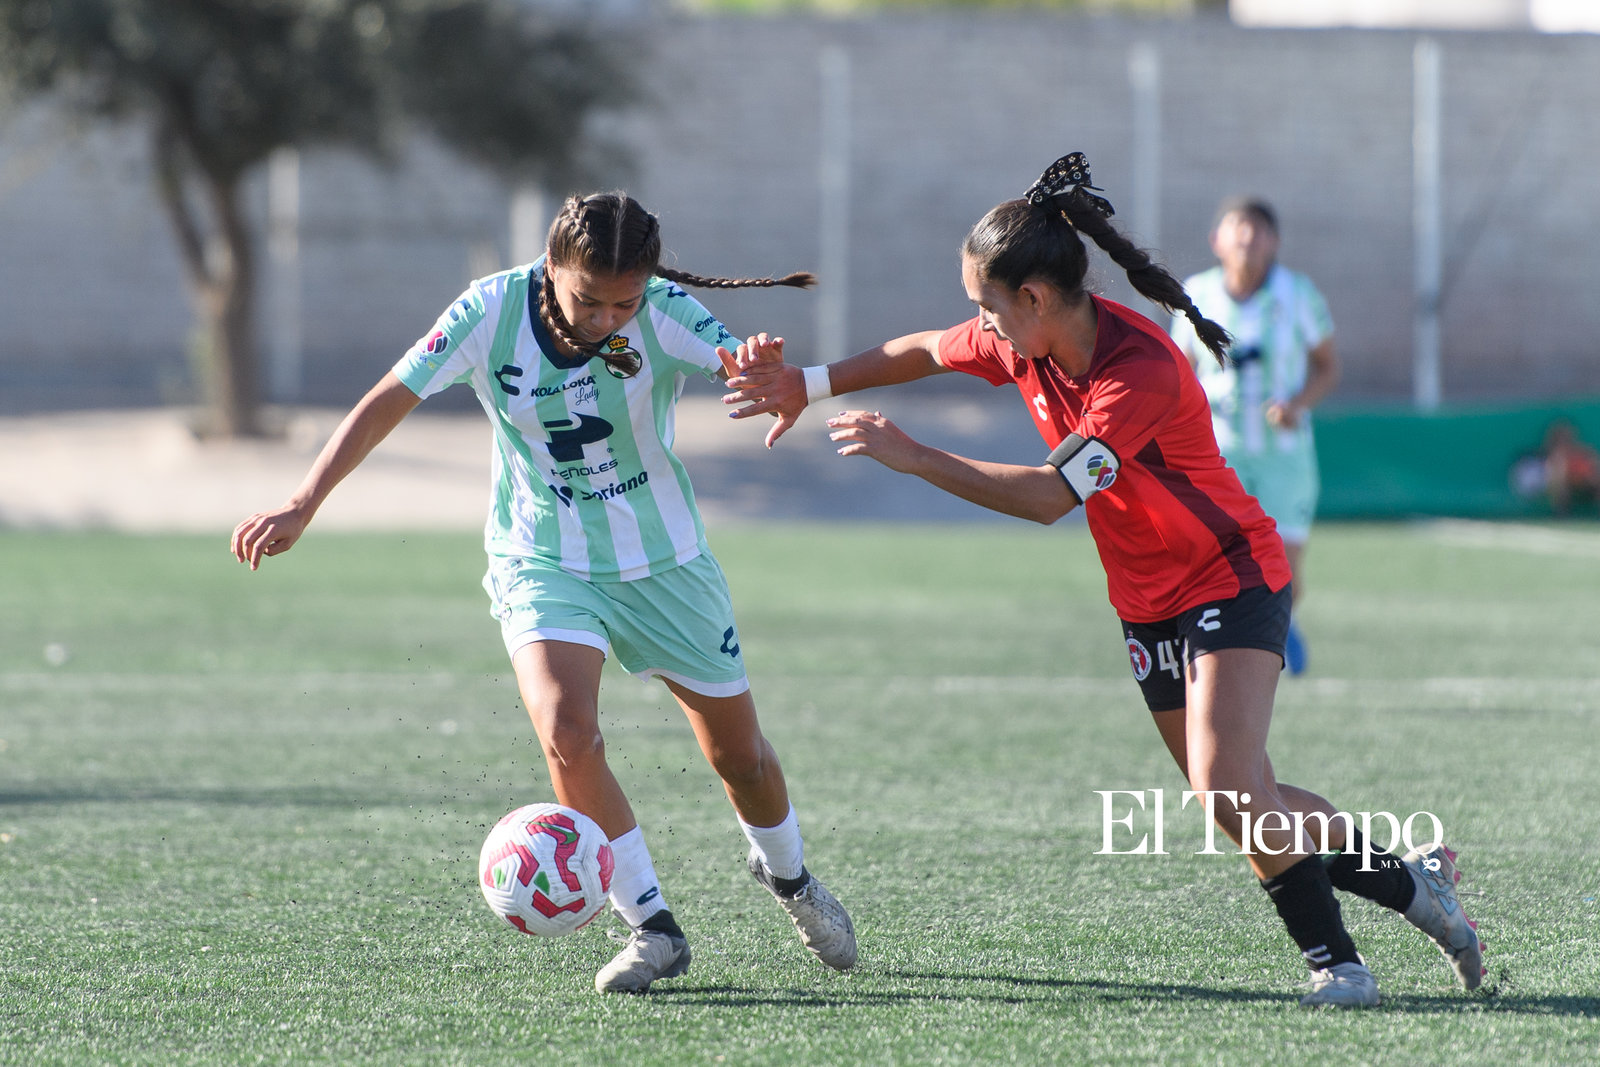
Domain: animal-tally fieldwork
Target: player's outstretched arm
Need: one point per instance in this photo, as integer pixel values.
(1038, 494)
(767, 386)
(271, 533)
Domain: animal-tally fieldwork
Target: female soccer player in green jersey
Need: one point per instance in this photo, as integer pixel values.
(594, 541)
(1281, 364)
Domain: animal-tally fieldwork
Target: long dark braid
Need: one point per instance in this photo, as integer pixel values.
(1037, 236)
(1148, 277)
(611, 233)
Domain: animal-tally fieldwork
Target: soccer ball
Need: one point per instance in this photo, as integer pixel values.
(546, 869)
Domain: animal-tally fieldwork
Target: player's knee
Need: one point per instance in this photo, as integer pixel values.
(1221, 775)
(744, 765)
(570, 744)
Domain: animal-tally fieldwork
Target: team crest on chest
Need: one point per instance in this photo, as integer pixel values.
(617, 345)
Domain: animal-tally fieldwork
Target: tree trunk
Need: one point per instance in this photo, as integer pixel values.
(219, 260)
(233, 385)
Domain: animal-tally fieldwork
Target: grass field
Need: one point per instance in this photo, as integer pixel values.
(239, 813)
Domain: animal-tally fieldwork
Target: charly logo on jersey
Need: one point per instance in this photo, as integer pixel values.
(510, 370)
(1139, 656)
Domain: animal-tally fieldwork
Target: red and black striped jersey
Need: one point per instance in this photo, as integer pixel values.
(1175, 529)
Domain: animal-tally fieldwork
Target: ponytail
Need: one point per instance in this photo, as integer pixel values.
(1037, 236)
(1148, 277)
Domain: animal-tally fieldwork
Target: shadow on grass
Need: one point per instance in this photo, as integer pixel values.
(1016, 989)
(988, 988)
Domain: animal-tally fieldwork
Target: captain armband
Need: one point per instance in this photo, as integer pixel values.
(1087, 466)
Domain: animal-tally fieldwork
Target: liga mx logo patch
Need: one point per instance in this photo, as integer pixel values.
(1139, 656)
(432, 347)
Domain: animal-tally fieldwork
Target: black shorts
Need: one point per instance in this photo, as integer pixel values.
(1159, 651)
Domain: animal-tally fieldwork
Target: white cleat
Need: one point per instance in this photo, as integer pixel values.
(1344, 985)
(648, 955)
(824, 925)
(1436, 911)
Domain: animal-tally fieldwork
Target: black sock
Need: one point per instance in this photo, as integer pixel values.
(662, 922)
(788, 887)
(1304, 899)
(1387, 883)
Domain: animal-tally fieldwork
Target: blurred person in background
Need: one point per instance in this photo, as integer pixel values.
(1563, 471)
(1571, 468)
(1280, 366)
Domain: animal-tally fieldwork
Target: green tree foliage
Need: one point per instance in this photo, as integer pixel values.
(223, 84)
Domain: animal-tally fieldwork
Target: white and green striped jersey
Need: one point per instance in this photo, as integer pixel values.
(584, 475)
(1273, 333)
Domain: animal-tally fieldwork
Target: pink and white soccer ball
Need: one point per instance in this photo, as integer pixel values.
(546, 869)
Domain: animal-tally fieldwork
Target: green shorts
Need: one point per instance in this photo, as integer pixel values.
(678, 624)
(1286, 485)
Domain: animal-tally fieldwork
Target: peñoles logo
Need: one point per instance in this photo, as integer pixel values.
(567, 438)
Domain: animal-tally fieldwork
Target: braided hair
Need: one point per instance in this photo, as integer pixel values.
(611, 233)
(1036, 236)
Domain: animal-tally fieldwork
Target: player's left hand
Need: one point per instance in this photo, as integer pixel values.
(1283, 416)
(267, 533)
(869, 433)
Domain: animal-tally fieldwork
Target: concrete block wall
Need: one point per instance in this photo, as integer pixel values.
(950, 113)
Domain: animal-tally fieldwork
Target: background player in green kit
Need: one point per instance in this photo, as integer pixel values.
(595, 544)
(1281, 364)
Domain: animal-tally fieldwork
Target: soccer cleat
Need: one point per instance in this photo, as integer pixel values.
(824, 925)
(1436, 911)
(1295, 656)
(648, 955)
(1344, 985)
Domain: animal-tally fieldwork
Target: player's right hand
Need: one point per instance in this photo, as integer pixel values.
(766, 385)
(267, 533)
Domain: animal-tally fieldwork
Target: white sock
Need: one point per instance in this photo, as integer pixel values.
(635, 890)
(779, 847)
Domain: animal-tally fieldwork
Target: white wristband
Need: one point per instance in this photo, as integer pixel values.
(818, 385)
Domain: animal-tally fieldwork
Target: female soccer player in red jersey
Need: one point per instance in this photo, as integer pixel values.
(1195, 569)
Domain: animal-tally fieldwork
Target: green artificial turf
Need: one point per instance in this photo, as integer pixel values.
(239, 813)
